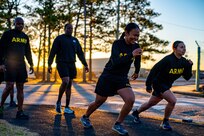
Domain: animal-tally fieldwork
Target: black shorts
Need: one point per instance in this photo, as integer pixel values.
(66, 70)
(107, 86)
(17, 73)
(159, 89)
(1, 77)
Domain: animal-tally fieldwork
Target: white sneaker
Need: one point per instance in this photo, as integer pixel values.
(68, 111)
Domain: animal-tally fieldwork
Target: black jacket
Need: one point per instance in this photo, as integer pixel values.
(121, 59)
(167, 70)
(14, 46)
(65, 48)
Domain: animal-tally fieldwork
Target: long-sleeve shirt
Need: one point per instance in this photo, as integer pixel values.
(167, 70)
(65, 48)
(121, 59)
(14, 46)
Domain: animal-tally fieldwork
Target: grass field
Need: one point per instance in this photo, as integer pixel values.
(7, 129)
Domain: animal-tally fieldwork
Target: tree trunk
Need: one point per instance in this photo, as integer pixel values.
(39, 55)
(44, 51)
(49, 42)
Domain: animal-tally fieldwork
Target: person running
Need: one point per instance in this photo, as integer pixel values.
(66, 47)
(161, 78)
(15, 46)
(114, 78)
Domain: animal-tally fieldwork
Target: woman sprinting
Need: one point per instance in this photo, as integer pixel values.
(114, 79)
(161, 78)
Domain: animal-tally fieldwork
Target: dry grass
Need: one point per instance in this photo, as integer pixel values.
(7, 129)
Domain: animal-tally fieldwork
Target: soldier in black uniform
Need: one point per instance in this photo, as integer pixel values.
(114, 79)
(161, 78)
(15, 44)
(66, 47)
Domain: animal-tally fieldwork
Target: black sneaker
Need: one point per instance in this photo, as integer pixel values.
(165, 126)
(58, 107)
(119, 129)
(21, 115)
(13, 104)
(1, 111)
(86, 122)
(135, 114)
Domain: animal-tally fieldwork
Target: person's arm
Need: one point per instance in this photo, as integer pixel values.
(116, 57)
(137, 63)
(28, 56)
(187, 74)
(80, 54)
(53, 51)
(154, 71)
(28, 53)
(3, 42)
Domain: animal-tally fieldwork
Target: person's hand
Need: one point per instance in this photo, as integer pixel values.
(31, 70)
(2, 68)
(86, 69)
(134, 76)
(149, 91)
(137, 52)
(49, 69)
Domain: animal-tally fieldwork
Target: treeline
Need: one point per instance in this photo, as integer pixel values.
(45, 20)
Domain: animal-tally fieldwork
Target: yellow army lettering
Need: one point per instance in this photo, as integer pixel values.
(176, 70)
(19, 40)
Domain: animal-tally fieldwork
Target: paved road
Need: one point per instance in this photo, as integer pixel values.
(82, 94)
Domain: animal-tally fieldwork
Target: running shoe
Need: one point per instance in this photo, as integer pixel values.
(12, 104)
(165, 125)
(68, 111)
(119, 129)
(58, 107)
(86, 122)
(21, 115)
(135, 114)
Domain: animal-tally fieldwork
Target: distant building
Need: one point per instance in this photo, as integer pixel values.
(99, 64)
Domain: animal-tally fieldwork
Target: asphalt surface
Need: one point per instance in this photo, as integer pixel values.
(45, 121)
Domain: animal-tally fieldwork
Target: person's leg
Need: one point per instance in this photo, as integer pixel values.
(152, 101)
(67, 109)
(12, 102)
(171, 99)
(63, 86)
(65, 81)
(20, 95)
(99, 100)
(129, 99)
(68, 93)
(20, 98)
(11, 95)
(6, 91)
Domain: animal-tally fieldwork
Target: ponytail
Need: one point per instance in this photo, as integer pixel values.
(122, 36)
